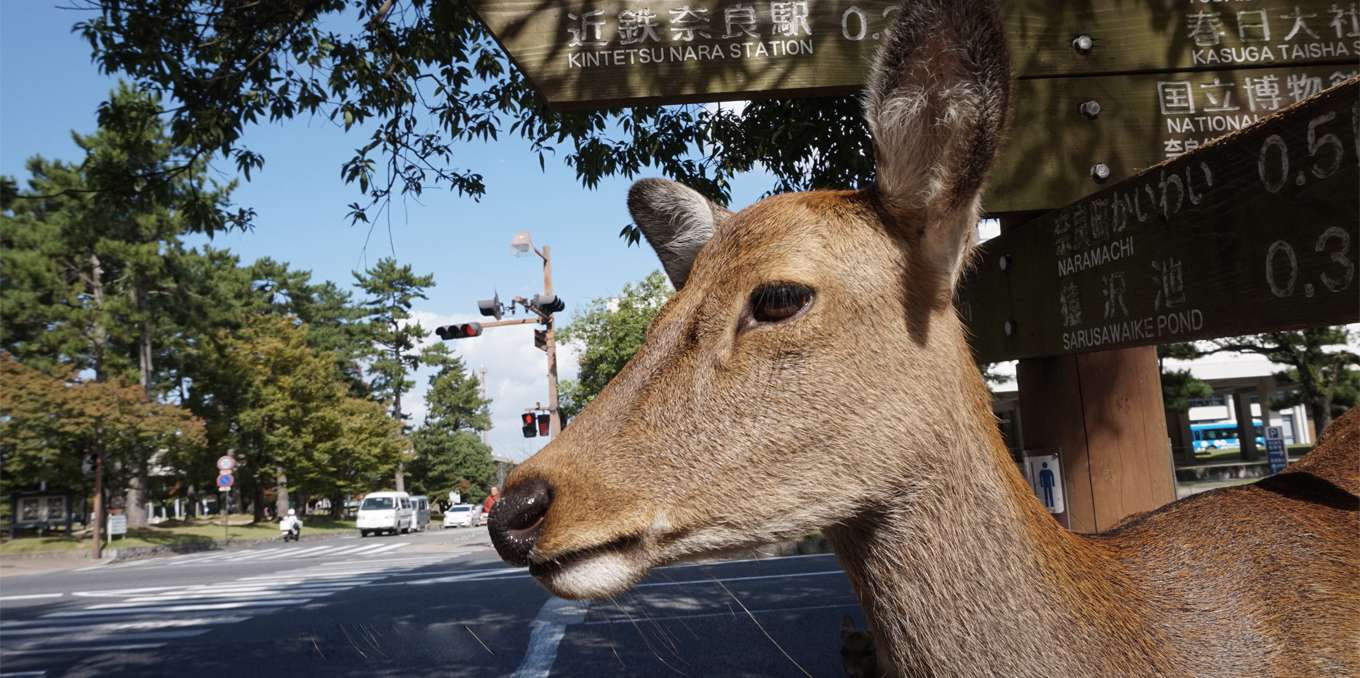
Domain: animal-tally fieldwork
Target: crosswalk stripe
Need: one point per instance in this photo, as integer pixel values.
(241, 603)
(87, 648)
(365, 550)
(95, 636)
(40, 626)
(277, 602)
(290, 553)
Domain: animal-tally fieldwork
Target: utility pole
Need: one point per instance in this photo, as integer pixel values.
(481, 388)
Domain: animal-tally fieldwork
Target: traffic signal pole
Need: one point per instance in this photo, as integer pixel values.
(550, 346)
(543, 307)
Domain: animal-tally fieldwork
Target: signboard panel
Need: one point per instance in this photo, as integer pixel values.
(1127, 123)
(1275, 449)
(1259, 231)
(117, 524)
(593, 53)
(1045, 477)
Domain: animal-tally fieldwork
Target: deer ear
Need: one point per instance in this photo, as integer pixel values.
(677, 221)
(937, 104)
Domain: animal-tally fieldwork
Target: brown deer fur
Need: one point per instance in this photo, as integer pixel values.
(864, 415)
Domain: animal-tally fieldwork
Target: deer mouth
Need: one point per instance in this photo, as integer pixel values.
(592, 572)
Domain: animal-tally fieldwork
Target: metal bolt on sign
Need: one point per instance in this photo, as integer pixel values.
(1082, 44)
(1090, 109)
(1100, 172)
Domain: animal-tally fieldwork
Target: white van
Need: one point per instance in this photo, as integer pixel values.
(420, 513)
(385, 512)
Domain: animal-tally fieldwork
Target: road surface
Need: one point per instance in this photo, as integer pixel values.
(437, 603)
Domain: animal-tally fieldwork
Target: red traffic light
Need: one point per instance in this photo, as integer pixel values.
(544, 422)
(527, 419)
(528, 429)
(462, 331)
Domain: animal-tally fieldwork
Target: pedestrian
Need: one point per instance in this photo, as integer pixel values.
(491, 500)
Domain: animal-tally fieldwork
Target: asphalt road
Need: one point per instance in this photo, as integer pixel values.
(437, 603)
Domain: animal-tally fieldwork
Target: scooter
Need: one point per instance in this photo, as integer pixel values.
(291, 528)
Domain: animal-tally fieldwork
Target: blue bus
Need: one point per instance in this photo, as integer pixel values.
(1222, 434)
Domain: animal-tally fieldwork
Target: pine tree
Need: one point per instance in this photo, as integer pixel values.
(391, 291)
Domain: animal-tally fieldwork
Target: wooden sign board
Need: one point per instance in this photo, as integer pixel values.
(1065, 130)
(602, 53)
(1257, 231)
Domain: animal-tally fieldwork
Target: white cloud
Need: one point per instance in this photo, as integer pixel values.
(516, 377)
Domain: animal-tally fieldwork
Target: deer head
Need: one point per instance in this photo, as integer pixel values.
(810, 364)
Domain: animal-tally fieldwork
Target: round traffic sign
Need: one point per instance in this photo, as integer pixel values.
(225, 463)
(225, 480)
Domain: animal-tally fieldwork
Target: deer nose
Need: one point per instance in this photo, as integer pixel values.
(517, 519)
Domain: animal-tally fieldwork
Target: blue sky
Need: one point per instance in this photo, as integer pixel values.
(50, 87)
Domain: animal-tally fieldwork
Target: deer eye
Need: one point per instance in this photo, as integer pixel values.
(777, 302)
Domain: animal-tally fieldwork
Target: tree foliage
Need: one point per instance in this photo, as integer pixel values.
(418, 77)
(609, 331)
(51, 427)
(391, 291)
(1320, 363)
(449, 452)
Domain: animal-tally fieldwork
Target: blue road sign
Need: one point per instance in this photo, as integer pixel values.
(224, 481)
(1275, 450)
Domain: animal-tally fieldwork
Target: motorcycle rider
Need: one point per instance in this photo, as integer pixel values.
(291, 526)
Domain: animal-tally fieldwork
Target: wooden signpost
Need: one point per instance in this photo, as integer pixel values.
(1154, 81)
(1258, 231)
(1161, 236)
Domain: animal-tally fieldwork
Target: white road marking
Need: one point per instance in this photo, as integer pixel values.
(100, 635)
(280, 602)
(549, 626)
(32, 596)
(115, 593)
(88, 648)
(38, 626)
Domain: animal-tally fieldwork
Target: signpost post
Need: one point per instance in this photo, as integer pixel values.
(224, 482)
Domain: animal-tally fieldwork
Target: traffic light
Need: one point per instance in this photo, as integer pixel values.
(461, 331)
(491, 307)
(549, 305)
(528, 428)
(544, 422)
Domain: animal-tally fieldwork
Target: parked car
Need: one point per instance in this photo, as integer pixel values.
(385, 512)
(461, 515)
(420, 513)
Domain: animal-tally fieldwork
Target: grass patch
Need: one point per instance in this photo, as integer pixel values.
(176, 533)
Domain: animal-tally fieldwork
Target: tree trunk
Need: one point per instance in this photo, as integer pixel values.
(337, 506)
(97, 528)
(136, 495)
(135, 498)
(1320, 411)
(257, 503)
(280, 492)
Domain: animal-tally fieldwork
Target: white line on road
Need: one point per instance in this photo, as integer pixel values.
(101, 635)
(33, 596)
(88, 648)
(155, 609)
(40, 626)
(548, 629)
(205, 606)
(118, 593)
(689, 582)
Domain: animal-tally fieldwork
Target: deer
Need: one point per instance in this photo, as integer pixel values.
(755, 410)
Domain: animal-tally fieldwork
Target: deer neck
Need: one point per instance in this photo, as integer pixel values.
(966, 574)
